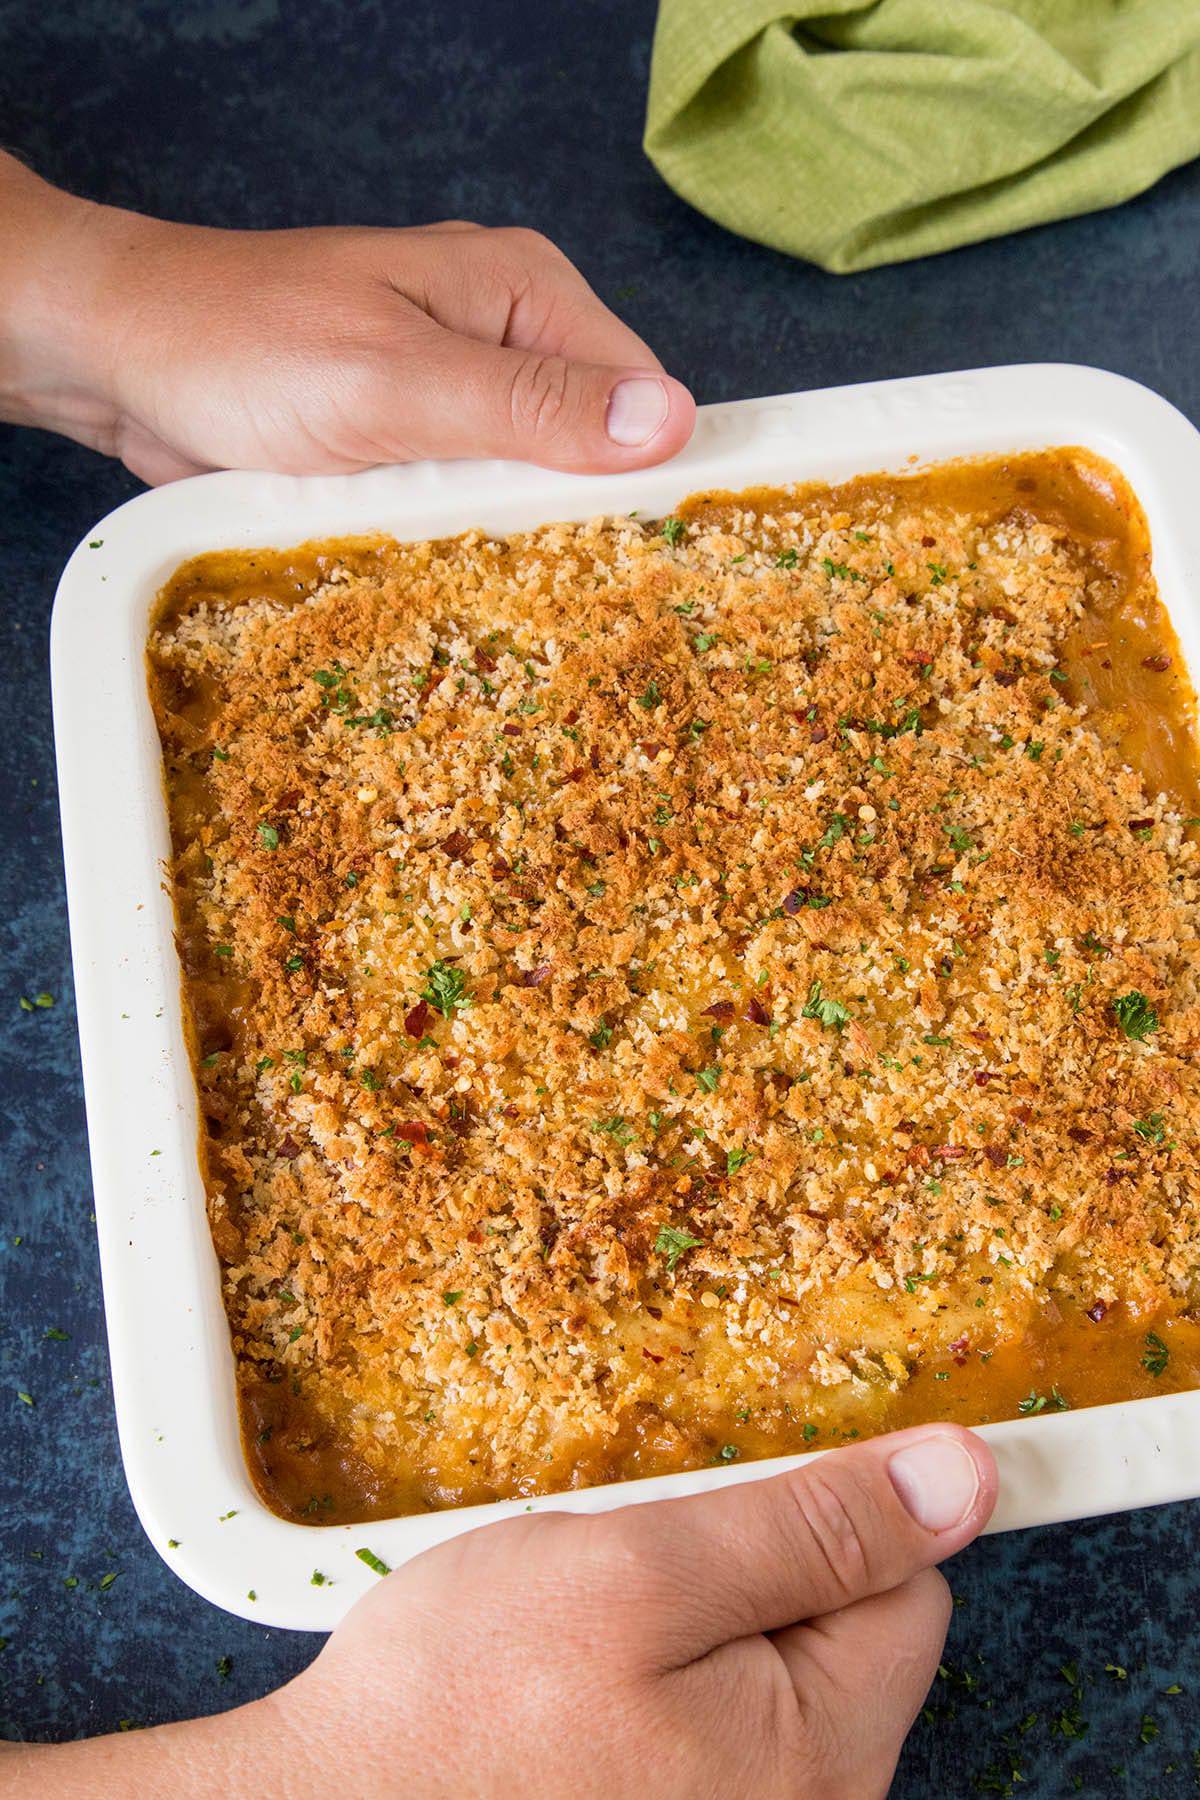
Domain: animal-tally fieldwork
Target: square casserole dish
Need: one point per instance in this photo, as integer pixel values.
(172, 1364)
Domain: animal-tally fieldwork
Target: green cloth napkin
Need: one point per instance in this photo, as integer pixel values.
(855, 134)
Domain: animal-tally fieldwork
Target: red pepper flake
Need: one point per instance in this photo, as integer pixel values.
(535, 977)
(960, 1349)
(416, 1022)
(650, 1356)
(1138, 824)
(995, 1155)
(1007, 678)
(413, 1131)
(928, 542)
(983, 1076)
(456, 845)
(1078, 1135)
(288, 1147)
(1097, 1311)
(907, 1125)
(950, 1152)
(1158, 664)
(720, 1010)
(818, 734)
(500, 869)
(795, 902)
(484, 663)
(757, 1013)
(512, 731)
(649, 748)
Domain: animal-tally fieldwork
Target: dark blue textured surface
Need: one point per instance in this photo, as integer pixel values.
(245, 112)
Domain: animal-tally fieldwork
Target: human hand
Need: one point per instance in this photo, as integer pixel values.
(766, 1639)
(179, 348)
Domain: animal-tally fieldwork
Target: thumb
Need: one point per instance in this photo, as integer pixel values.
(459, 396)
(766, 1554)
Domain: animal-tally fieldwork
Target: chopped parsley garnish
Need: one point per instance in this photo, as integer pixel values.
(1032, 1403)
(839, 570)
(836, 829)
(735, 1159)
(708, 1079)
(616, 1128)
(832, 1014)
(671, 1242)
(787, 559)
(1153, 1129)
(602, 1037)
(445, 987)
(651, 698)
(268, 837)
(939, 573)
(373, 1562)
(1135, 1015)
(1156, 1356)
(452, 1297)
(960, 839)
(673, 530)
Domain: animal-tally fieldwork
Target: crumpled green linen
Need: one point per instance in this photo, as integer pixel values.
(856, 134)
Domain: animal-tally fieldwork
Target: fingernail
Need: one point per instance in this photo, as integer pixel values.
(937, 1480)
(637, 407)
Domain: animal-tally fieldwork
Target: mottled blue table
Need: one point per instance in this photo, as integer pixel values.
(250, 112)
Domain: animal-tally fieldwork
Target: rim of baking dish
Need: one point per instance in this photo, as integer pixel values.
(172, 1365)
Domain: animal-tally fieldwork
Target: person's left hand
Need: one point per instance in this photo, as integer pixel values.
(179, 348)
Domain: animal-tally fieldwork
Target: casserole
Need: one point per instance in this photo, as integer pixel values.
(171, 1362)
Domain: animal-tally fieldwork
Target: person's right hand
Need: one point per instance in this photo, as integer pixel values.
(770, 1638)
(179, 348)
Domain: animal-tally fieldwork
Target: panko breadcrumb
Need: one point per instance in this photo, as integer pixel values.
(666, 992)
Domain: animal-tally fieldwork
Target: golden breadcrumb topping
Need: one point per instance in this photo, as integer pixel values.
(659, 988)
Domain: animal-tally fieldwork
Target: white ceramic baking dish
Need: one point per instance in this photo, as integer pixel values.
(173, 1373)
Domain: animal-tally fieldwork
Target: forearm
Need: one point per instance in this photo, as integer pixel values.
(201, 1759)
(55, 251)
